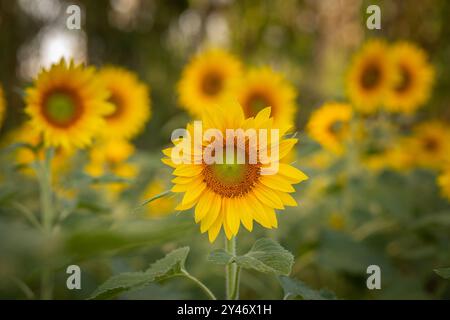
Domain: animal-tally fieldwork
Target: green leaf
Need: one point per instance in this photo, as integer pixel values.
(220, 256)
(298, 289)
(443, 272)
(159, 195)
(169, 266)
(265, 256)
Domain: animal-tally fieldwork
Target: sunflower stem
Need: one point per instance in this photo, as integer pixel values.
(200, 284)
(232, 272)
(47, 213)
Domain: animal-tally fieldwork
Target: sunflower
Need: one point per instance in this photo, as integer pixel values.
(67, 104)
(131, 102)
(430, 144)
(159, 207)
(111, 157)
(2, 106)
(263, 87)
(444, 182)
(25, 156)
(396, 157)
(415, 80)
(228, 193)
(207, 79)
(329, 125)
(370, 76)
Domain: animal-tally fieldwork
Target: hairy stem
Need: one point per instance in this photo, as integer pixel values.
(231, 271)
(200, 284)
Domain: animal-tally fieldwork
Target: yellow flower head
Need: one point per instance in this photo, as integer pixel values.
(329, 125)
(263, 87)
(110, 156)
(396, 157)
(370, 76)
(444, 182)
(25, 156)
(159, 207)
(67, 104)
(207, 79)
(430, 144)
(2, 106)
(415, 79)
(228, 193)
(131, 102)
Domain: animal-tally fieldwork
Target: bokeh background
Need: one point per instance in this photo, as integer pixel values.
(346, 220)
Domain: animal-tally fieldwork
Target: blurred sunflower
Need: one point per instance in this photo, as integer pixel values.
(131, 102)
(370, 76)
(159, 207)
(230, 193)
(430, 144)
(444, 182)
(263, 87)
(416, 77)
(207, 79)
(67, 104)
(329, 125)
(396, 157)
(110, 157)
(2, 106)
(25, 156)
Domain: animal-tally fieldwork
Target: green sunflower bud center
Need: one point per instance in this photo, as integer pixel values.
(61, 108)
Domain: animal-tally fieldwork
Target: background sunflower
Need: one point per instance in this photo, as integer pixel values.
(330, 126)
(207, 79)
(415, 78)
(131, 102)
(262, 87)
(370, 76)
(66, 104)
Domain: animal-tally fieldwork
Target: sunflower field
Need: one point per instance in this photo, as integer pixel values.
(104, 195)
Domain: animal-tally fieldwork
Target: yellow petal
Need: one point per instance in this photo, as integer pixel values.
(276, 182)
(285, 147)
(203, 205)
(257, 209)
(291, 173)
(192, 194)
(244, 212)
(169, 162)
(262, 116)
(271, 215)
(188, 170)
(212, 215)
(267, 196)
(214, 230)
(232, 217)
(287, 199)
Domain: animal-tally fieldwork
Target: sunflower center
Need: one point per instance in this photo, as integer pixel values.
(212, 83)
(61, 109)
(336, 128)
(431, 144)
(231, 179)
(370, 76)
(117, 102)
(255, 103)
(405, 82)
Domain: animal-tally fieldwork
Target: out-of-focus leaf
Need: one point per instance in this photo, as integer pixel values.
(298, 289)
(443, 272)
(265, 256)
(169, 266)
(156, 197)
(339, 252)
